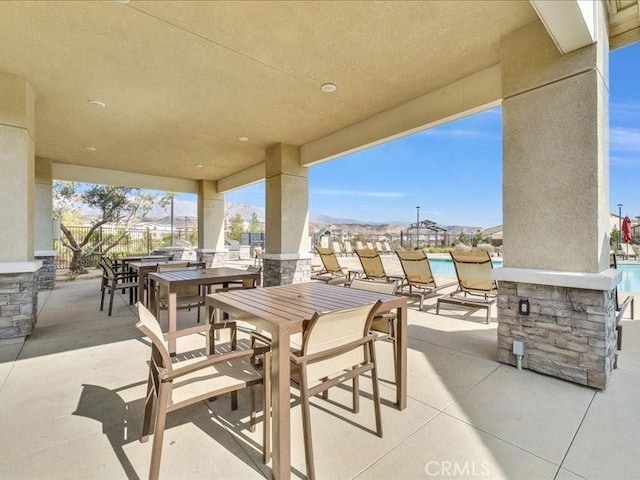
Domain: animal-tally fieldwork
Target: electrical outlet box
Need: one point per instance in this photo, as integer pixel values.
(518, 347)
(523, 306)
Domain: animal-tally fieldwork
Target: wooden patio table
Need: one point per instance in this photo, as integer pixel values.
(124, 261)
(144, 268)
(283, 311)
(178, 278)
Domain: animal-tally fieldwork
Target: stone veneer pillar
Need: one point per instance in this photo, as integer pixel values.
(211, 249)
(43, 241)
(286, 259)
(556, 207)
(18, 270)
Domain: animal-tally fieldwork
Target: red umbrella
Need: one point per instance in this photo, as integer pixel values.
(626, 229)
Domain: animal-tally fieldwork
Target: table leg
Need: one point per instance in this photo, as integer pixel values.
(401, 359)
(280, 395)
(141, 293)
(173, 314)
(153, 301)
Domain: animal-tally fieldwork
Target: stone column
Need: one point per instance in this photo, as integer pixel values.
(43, 242)
(18, 270)
(287, 259)
(211, 249)
(556, 207)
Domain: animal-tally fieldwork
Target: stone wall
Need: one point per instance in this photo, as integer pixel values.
(570, 332)
(285, 272)
(18, 304)
(47, 274)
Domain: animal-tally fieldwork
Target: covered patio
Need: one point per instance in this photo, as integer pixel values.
(208, 97)
(72, 403)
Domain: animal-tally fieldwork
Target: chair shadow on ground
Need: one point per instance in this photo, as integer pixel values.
(122, 421)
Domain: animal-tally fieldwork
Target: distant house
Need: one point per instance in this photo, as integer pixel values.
(495, 233)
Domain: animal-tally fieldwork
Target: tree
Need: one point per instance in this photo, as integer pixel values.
(236, 227)
(254, 224)
(615, 237)
(121, 206)
(462, 238)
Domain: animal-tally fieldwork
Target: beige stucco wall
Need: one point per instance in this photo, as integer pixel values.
(43, 234)
(287, 201)
(17, 151)
(210, 216)
(555, 151)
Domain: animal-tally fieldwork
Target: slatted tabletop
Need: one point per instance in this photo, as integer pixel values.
(144, 268)
(283, 311)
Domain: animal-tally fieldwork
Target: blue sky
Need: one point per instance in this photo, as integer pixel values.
(387, 182)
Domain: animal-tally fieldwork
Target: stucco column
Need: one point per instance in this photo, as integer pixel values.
(555, 194)
(18, 270)
(211, 247)
(287, 258)
(43, 241)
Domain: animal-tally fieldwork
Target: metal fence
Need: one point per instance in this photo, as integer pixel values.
(134, 241)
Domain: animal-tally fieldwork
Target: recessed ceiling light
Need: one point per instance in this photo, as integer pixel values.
(97, 103)
(243, 139)
(89, 149)
(122, 1)
(198, 165)
(329, 87)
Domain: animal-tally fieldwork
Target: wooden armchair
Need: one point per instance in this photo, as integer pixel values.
(174, 386)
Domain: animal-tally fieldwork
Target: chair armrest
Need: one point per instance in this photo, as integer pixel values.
(332, 352)
(187, 331)
(207, 362)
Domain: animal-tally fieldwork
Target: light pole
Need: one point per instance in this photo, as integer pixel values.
(417, 227)
(619, 225)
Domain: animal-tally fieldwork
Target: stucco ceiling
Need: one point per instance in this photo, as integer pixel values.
(182, 80)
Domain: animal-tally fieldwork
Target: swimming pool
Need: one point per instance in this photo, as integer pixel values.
(443, 267)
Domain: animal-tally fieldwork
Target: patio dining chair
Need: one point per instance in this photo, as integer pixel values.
(331, 272)
(337, 346)
(384, 323)
(172, 386)
(188, 296)
(418, 276)
(112, 281)
(373, 267)
(473, 270)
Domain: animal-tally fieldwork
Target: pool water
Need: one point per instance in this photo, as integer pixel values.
(443, 267)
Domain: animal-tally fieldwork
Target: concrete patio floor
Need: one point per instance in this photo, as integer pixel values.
(72, 395)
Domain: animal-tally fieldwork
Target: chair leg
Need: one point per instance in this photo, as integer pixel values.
(306, 425)
(112, 291)
(158, 434)
(376, 390)
(102, 289)
(252, 415)
(356, 394)
(148, 410)
(266, 416)
(325, 394)
(234, 400)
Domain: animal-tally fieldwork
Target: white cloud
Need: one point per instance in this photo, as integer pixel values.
(359, 193)
(625, 140)
(460, 133)
(624, 111)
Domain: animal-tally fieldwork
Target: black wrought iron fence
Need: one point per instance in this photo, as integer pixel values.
(132, 241)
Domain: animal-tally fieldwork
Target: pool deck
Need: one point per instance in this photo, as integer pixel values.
(71, 401)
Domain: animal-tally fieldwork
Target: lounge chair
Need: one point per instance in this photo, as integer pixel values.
(373, 267)
(359, 245)
(628, 251)
(257, 256)
(336, 248)
(331, 272)
(348, 249)
(172, 386)
(418, 275)
(379, 247)
(387, 247)
(620, 310)
(473, 270)
(337, 346)
(370, 246)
